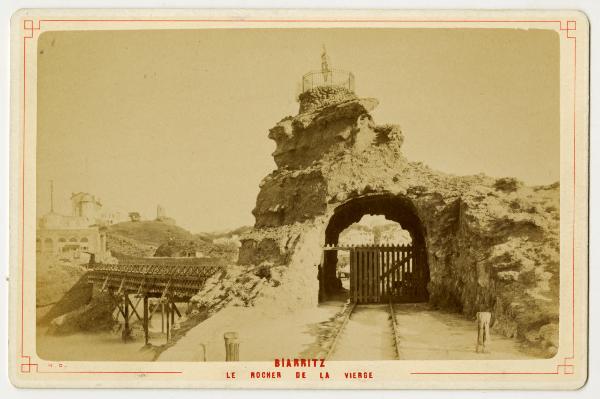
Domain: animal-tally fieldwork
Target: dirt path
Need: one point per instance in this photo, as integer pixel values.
(436, 335)
(367, 336)
(264, 335)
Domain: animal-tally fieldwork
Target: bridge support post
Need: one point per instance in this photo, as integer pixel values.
(146, 319)
(126, 332)
(172, 314)
(168, 319)
(162, 316)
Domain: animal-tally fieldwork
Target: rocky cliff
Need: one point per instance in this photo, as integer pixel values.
(492, 244)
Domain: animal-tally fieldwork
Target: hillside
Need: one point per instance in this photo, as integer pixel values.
(150, 232)
(155, 238)
(54, 279)
(224, 234)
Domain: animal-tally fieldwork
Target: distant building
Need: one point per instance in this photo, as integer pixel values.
(110, 218)
(73, 236)
(161, 215)
(86, 206)
(160, 212)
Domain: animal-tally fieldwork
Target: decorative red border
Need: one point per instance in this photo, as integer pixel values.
(29, 27)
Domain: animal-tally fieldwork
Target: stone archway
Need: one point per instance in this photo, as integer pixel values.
(396, 208)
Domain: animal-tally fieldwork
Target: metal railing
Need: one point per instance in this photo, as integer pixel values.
(332, 77)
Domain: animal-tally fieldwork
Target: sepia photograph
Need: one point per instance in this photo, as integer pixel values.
(302, 198)
(153, 147)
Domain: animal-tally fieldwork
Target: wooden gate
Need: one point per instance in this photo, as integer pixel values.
(383, 273)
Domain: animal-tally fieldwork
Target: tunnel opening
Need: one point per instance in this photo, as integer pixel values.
(367, 268)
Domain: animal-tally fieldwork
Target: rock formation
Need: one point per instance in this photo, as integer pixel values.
(492, 244)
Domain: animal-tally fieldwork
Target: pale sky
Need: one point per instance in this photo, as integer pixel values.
(180, 117)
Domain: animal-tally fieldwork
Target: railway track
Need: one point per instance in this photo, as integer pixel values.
(347, 318)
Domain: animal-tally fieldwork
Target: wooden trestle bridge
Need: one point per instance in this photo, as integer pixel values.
(170, 280)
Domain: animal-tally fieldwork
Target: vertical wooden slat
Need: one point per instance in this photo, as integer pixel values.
(401, 268)
(380, 254)
(361, 282)
(384, 270)
(370, 267)
(367, 267)
(366, 275)
(389, 278)
(381, 262)
(374, 268)
(391, 275)
(352, 275)
(377, 274)
(365, 263)
(396, 260)
(373, 285)
(370, 272)
(358, 275)
(399, 259)
(404, 265)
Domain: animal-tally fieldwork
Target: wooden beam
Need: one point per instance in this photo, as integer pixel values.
(162, 296)
(139, 290)
(121, 286)
(175, 309)
(116, 303)
(146, 335)
(396, 266)
(120, 309)
(133, 308)
(104, 284)
(167, 322)
(126, 316)
(172, 310)
(162, 317)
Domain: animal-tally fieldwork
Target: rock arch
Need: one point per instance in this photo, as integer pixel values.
(491, 246)
(397, 208)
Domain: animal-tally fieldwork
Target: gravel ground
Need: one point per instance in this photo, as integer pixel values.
(437, 335)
